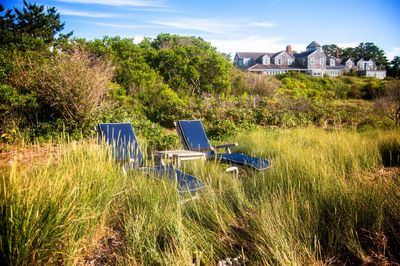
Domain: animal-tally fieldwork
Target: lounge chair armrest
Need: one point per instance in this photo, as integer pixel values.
(227, 147)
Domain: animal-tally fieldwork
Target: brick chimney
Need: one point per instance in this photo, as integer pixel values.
(289, 49)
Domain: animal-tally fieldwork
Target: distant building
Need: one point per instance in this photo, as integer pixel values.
(313, 61)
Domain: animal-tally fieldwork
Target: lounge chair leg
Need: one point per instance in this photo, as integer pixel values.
(196, 196)
(232, 169)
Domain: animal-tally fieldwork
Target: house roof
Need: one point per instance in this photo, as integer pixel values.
(304, 54)
(365, 60)
(266, 67)
(313, 44)
(256, 55)
(249, 55)
(278, 53)
(344, 60)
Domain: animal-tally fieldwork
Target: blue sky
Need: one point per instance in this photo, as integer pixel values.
(238, 25)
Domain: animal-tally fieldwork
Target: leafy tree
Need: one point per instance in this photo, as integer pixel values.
(347, 52)
(393, 68)
(331, 50)
(366, 50)
(190, 65)
(369, 50)
(30, 28)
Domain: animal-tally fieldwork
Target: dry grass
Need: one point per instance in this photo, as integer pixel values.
(327, 199)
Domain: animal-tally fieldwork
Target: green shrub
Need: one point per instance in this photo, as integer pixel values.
(14, 106)
(74, 87)
(163, 105)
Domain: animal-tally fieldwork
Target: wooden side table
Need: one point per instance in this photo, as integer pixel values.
(181, 155)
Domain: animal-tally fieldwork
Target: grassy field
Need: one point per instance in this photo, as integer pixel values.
(327, 199)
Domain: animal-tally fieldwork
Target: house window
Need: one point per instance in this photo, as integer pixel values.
(279, 61)
(290, 61)
(332, 63)
(240, 62)
(321, 61)
(312, 61)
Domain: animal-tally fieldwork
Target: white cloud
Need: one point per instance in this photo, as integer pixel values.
(210, 25)
(69, 12)
(347, 44)
(126, 3)
(394, 51)
(122, 26)
(265, 24)
(254, 44)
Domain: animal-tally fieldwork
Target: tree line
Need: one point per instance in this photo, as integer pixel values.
(367, 50)
(52, 82)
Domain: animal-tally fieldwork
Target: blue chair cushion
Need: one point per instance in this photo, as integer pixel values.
(122, 139)
(193, 134)
(185, 182)
(244, 160)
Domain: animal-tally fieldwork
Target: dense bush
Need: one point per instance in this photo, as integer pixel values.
(75, 87)
(14, 106)
(253, 84)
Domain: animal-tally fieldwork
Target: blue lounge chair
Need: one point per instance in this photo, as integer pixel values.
(125, 149)
(194, 138)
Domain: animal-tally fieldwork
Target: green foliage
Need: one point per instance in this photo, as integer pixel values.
(393, 68)
(163, 105)
(190, 65)
(160, 80)
(366, 50)
(369, 50)
(14, 105)
(157, 138)
(226, 116)
(331, 50)
(30, 28)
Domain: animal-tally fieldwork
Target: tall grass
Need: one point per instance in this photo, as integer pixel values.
(326, 199)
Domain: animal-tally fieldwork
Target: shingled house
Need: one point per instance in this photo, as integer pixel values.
(313, 61)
